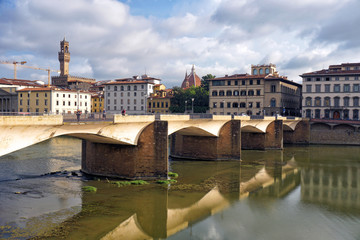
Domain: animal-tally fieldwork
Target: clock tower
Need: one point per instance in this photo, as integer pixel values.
(64, 57)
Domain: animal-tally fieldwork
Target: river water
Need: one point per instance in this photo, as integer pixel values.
(310, 192)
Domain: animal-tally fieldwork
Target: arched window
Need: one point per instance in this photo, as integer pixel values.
(251, 92)
(214, 93)
(254, 72)
(242, 105)
(327, 102)
(356, 101)
(122, 88)
(267, 71)
(317, 113)
(346, 101)
(235, 105)
(243, 93)
(317, 102)
(308, 101)
(228, 93)
(221, 93)
(273, 102)
(135, 88)
(115, 88)
(261, 72)
(236, 93)
(336, 101)
(129, 88)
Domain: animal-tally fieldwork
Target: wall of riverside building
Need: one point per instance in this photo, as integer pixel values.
(322, 133)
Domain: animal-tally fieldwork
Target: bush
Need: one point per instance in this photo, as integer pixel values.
(89, 189)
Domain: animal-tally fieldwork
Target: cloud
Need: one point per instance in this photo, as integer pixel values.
(218, 36)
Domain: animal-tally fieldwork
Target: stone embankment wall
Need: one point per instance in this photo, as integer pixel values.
(324, 133)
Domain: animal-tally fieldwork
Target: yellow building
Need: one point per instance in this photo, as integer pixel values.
(35, 100)
(159, 101)
(97, 103)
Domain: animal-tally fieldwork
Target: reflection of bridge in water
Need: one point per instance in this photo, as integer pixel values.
(171, 211)
(137, 146)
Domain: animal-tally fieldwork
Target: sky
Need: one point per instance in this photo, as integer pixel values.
(112, 39)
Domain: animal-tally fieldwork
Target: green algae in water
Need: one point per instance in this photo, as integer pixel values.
(173, 175)
(89, 189)
(166, 181)
(127, 183)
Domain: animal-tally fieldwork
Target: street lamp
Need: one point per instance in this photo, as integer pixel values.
(192, 105)
(185, 105)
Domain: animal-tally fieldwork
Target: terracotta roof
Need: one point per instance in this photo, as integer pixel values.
(191, 80)
(126, 82)
(19, 82)
(52, 88)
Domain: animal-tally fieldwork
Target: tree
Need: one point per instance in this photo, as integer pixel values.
(199, 94)
(205, 81)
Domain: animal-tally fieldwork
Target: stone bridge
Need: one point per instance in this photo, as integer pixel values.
(137, 146)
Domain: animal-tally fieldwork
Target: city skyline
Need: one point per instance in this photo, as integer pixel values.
(114, 39)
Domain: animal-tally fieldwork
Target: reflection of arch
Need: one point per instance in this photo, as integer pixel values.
(344, 127)
(320, 126)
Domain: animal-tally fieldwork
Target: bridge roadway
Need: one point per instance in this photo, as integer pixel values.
(137, 146)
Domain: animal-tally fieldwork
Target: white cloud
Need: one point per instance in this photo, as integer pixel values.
(219, 37)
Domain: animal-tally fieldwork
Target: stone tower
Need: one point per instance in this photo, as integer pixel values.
(64, 57)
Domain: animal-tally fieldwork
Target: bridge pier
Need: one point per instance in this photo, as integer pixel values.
(225, 147)
(147, 160)
(301, 134)
(271, 139)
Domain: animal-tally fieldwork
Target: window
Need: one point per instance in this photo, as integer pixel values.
(243, 93)
(308, 113)
(336, 78)
(327, 113)
(318, 79)
(308, 101)
(257, 104)
(356, 101)
(273, 102)
(308, 79)
(135, 88)
(221, 93)
(317, 113)
(228, 105)
(236, 83)
(134, 94)
(327, 102)
(258, 92)
(317, 101)
(273, 88)
(346, 114)
(221, 104)
(254, 72)
(37, 94)
(45, 102)
(235, 105)
(37, 102)
(261, 71)
(308, 88)
(57, 103)
(337, 88)
(214, 105)
(327, 88)
(346, 78)
(356, 88)
(21, 103)
(258, 82)
(327, 79)
(63, 103)
(243, 82)
(228, 93)
(122, 88)
(128, 88)
(242, 105)
(251, 92)
(355, 114)
(346, 101)
(336, 101)
(218, 83)
(317, 88)
(267, 71)
(236, 93)
(128, 94)
(250, 104)
(251, 82)
(346, 87)
(228, 83)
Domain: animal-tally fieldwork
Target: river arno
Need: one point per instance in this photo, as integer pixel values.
(299, 193)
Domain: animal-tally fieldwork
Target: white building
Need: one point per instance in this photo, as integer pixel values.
(129, 93)
(332, 93)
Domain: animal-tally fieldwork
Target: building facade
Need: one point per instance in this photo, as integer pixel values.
(97, 103)
(160, 100)
(8, 94)
(332, 93)
(264, 92)
(53, 100)
(129, 94)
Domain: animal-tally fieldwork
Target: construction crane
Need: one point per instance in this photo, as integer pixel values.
(25, 66)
